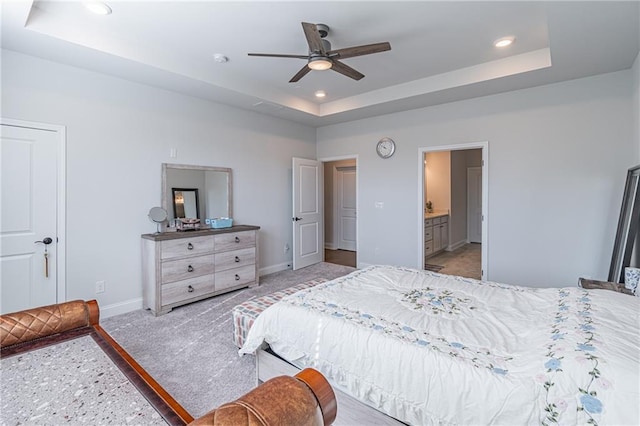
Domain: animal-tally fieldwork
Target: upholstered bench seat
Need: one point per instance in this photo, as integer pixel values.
(246, 313)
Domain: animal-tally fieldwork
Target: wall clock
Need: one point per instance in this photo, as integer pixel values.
(386, 147)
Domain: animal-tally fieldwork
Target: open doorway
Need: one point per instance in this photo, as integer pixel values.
(340, 211)
(453, 214)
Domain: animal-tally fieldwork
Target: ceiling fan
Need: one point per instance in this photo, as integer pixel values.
(321, 57)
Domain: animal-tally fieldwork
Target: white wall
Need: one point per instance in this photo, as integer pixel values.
(557, 161)
(118, 135)
(636, 102)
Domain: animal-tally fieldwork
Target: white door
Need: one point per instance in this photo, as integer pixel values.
(308, 212)
(474, 204)
(347, 214)
(30, 167)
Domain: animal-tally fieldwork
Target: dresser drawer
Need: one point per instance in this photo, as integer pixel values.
(180, 269)
(428, 222)
(235, 240)
(436, 220)
(235, 277)
(235, 259)
(186, 247)
(187, 289)
(444, 219)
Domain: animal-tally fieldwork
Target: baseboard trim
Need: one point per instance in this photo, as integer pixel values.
(275, 268)
(457, 245)
(120, 308)
(330, 246)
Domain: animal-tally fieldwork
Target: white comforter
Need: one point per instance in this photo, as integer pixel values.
(428, 348)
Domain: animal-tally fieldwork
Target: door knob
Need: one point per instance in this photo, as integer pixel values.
(46, 241)
(295, 219)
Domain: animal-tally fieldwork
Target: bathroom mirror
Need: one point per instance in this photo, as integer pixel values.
(212, 188)
(628, 226)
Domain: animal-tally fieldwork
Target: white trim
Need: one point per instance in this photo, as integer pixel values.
(275, 268)
(349, 157)
(61, 197)
(457, 245)
(484, 145)
(131, 305)
(330, 246)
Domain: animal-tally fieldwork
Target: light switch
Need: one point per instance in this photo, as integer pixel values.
(379, 204)
(173, 153)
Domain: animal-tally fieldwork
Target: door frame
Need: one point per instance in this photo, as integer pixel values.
(61, 204)
(340, 158)
(484, 146)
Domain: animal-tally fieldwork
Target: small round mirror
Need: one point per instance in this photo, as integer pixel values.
(158, 215)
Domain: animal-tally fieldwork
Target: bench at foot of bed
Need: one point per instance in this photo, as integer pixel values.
(246, 313)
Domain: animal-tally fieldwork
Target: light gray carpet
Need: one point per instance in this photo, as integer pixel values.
(190, 352)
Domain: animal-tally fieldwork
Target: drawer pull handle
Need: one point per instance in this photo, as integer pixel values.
(190, 289)
(189, 246)
(237, 277)
(190, 268)
(237, 259)
(237, 239)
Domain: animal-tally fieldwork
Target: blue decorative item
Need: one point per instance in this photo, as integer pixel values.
(220, 222)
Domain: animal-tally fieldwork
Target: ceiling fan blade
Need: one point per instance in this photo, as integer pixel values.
(276, 55)
(367, 49)
(346, 70)
(313, 38)
(303, 71)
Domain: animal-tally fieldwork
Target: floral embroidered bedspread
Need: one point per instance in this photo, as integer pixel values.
(428, 348)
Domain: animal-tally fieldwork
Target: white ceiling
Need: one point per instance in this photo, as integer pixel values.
(441, 51)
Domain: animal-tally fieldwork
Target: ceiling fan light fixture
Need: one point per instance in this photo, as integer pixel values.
(504, 41)
(319, 64)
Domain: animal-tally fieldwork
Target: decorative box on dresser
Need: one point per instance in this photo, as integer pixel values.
(183, 267)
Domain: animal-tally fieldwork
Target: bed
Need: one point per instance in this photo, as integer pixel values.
(427, 348)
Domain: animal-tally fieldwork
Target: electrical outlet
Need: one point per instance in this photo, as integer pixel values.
(286, 248)
(100, 287)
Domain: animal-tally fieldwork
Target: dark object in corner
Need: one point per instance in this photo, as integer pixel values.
(628, 225)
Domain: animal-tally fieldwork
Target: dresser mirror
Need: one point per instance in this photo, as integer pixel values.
(201, 191)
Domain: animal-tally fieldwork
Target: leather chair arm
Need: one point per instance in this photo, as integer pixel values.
(30, 324)
(306, 399)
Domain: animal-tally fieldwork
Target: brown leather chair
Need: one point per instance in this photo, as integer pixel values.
(306, 399)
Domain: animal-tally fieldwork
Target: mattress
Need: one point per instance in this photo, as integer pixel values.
(428, 348)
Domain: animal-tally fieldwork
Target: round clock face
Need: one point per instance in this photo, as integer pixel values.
(386, 147)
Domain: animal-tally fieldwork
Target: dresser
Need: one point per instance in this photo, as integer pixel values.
(182, 267)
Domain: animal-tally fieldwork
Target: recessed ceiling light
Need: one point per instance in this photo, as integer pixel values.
(321, 94)
(220, 58)
(98, 8)
(504, 41)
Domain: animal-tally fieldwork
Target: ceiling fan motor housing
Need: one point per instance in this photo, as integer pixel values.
(323, 29)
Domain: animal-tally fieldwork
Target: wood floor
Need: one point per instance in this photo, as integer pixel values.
(340, 257)
(464, 261)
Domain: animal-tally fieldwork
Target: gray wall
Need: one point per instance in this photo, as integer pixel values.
(118, 135)
(557, 156)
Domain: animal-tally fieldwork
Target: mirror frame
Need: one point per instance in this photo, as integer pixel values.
(165, 166)
(628, 226)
